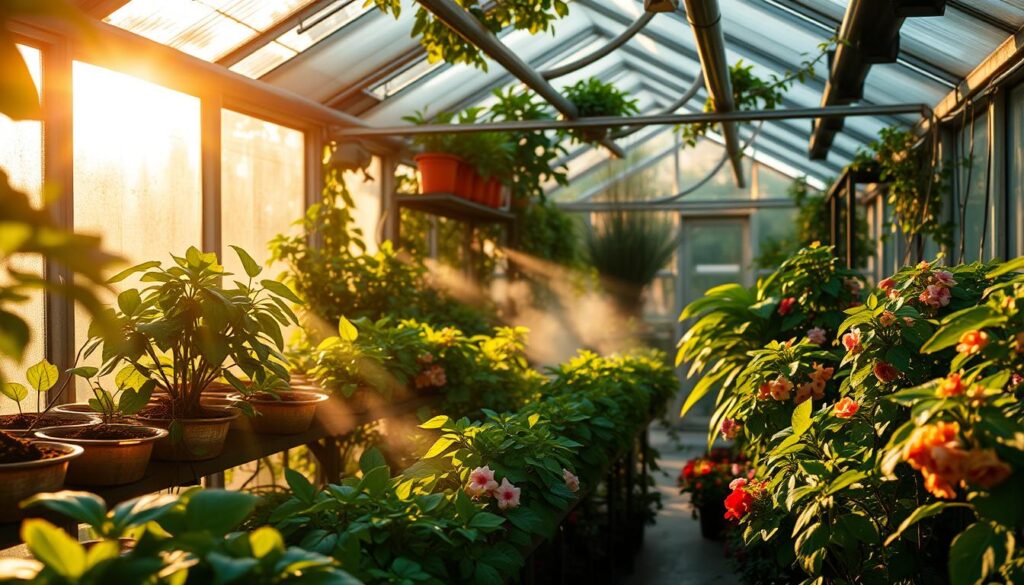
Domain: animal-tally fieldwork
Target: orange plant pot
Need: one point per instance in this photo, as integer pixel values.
(481, 189)
(465, 182)
(494, 187)
(439, 172)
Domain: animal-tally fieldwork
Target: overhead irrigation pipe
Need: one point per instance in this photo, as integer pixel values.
(469, 28)
(656, 119)
(706, 21)
(682, 101)
(613, 44)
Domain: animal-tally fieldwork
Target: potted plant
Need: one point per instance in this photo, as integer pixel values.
(42, 378)
(30, 467)
(441, 169)
(117, 451)
(708, 480)
(184, 331)
(277, 408)
(595, 98)
(490, 154)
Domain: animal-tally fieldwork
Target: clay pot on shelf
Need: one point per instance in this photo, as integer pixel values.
(290, 412)
(481, 189)
(439, 172)
(200, 438)
(25, 479)
(494, 193)
(465, 181)
(18, 424)
(114, 454)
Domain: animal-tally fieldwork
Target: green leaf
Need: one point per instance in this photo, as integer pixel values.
(439, 447)
(801, 419)
(1015, 265)
(84, 371)
(14, 391)
(486, 521)
(129, 301)
(281, 290)
(375, 481)
(132, 401)
(14, 335)
(42, 376)
(346, 330)
(82, 507)
(956, 324)
(251, 267)
(218, 511)
(299, 485)
(532, 420)
(922, 512)
(845, 480)
(54, 548)
(130, 271)
(435, 423)
(19, 98)
(265, 540)
(371, 459)
(978, 552)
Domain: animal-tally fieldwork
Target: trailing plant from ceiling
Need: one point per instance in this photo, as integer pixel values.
(915, 180)
(811, 225)
(595, 98)
(750, 92)
(444, 44)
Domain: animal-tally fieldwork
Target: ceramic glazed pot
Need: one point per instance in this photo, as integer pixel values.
(107, 461)
(200, 438)
(438, 172)
(19, 481)
(290, 415)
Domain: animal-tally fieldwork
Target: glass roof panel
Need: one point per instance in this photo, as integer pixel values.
(207, 29)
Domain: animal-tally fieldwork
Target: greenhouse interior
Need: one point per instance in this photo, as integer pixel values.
(640, 292)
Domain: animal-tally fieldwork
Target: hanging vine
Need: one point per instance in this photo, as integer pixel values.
(444, 44)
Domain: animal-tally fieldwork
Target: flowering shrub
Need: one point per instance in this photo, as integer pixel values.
(709, 479)
(905, 470)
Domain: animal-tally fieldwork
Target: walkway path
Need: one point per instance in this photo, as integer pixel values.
(674, 552)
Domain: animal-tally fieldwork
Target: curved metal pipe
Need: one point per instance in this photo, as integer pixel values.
(687, 96)
(613, 44)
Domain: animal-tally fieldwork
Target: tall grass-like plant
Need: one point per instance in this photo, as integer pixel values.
(628, 249)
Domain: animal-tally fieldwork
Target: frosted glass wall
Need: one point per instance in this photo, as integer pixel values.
(137, 173)
(21, 158)
(366, 194)
(263, 185)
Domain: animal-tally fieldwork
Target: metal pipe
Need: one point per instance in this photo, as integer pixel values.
(706, 21)
(467, 26)
(656, 119)
(613, 44)
(683, 205)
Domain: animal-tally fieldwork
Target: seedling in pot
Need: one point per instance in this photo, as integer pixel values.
(132, 392)
(42, 378)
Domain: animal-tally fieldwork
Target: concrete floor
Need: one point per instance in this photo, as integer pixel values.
(674, 552)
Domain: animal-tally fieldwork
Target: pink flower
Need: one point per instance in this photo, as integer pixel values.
(816, 335)
(885, 372)
(851, 341)
(571, 481)
(481, 482)
(737, 483)
(887, 284)
(944, 278)
(729, 428)
(786, 306)
(935, 296)
(507, 495)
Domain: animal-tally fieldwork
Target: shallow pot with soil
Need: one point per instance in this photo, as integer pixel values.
(20, 424)
(290, 412)
(115, 454)
(202, 437)
(28, 468)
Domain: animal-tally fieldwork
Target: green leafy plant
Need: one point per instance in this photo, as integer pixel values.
(174, 539)
(444, 44)
(535, 152)
(595, 98)
(131, 394)
(41, 378)
(186, 330)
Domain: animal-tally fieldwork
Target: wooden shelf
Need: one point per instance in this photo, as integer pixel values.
(334, 419)
(453, 207)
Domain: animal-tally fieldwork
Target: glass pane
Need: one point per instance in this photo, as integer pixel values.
(136, 166)
(263, 185)
(972, 188)
(367, 197)
(1015, 211)
(21, 157)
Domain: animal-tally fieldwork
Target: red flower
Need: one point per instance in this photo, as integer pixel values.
(886, 372)
(972, 342)
(786, 306)
(846, 408)
(688, 469)
(738, 503)
(887, 284)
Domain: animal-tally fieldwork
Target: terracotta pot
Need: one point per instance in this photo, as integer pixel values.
(201, 438)
(289, 416)
(494, 187)
(465, 180)
(438, 172)
(19, 481)
(68, 418)
(107, 461)
(481, 189)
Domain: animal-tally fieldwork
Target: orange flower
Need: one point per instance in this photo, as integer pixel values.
(803, 392)
(885, 372)
(821, 373)
(976, 395)
(846, 408)
(951, 386)
(780, 387)
(887, 318)
(984, 469)
(935, 451)
(764, 392)
(1018, 342)
(972, 342)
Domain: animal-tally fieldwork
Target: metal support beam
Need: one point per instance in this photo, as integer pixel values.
(706, 21)
(657, 119)
(605, 50)
(277, 29)
(692, 206)
(100, 8)
(467, 26)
